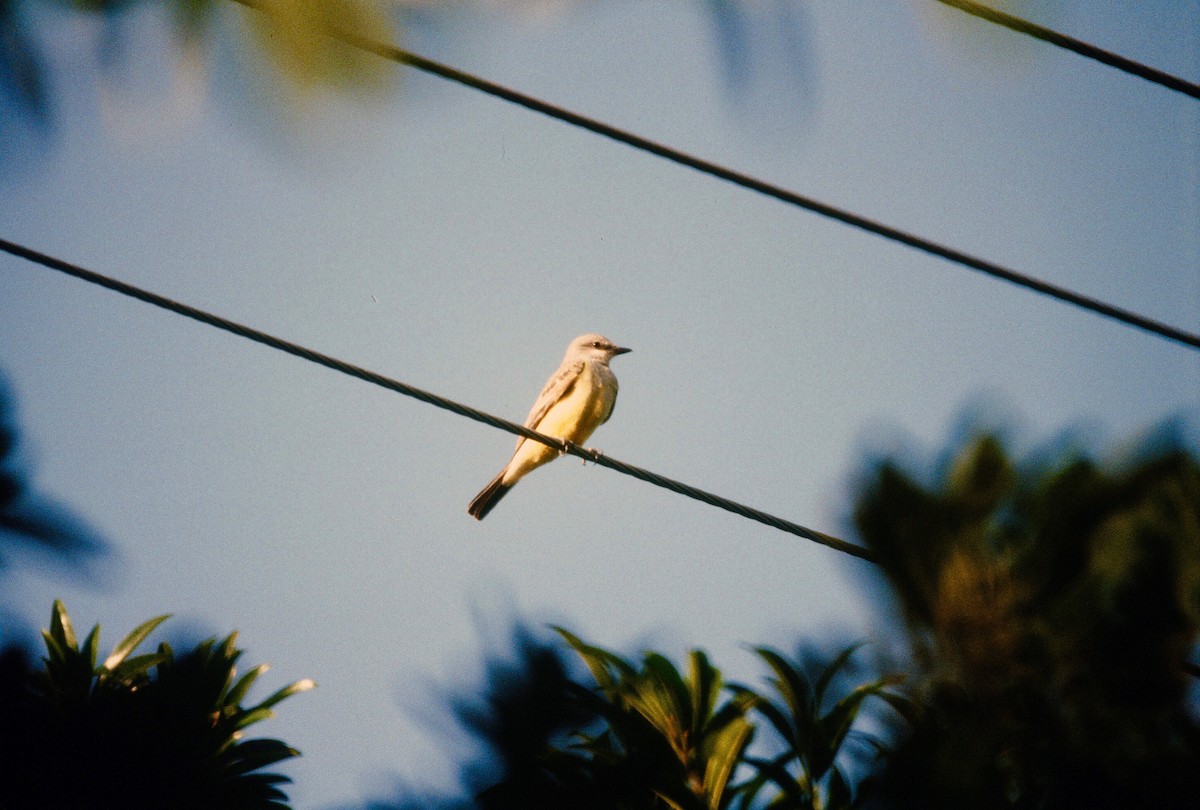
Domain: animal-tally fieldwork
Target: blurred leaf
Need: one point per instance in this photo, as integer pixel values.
(137, 668)
(252, 716)
(239, 690)
(833, 727)
(192, 17)
(255, 754)
(91, 647)
(704, 686)
(814, 740)
(831, 669)
(286, 692)
(131, 641)
(797, 712)
(724, 755)
(303, 38)
(838, 796)
(601, 663)
(21, 72)
(60, 627)
(980, 477)
(1050, 604)
(661, 696)
(902, 705)
(794, 791)
(55, 649)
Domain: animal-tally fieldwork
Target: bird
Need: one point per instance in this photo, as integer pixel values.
(577, 399)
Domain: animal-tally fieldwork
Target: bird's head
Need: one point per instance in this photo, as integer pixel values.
(594, 347)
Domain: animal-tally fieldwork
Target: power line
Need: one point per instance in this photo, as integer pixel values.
(1095, 305)
(433, 399)
(1078, 46)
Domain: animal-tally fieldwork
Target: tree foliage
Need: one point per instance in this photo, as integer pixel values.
(1051, 608)
(158, 729)
(651, 736)
(806, 773)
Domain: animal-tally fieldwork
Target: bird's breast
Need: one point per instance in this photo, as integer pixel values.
(584, 408)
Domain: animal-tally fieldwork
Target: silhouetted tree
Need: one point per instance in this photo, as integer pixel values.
(647, 735)
(1050, 613)
(157, 730)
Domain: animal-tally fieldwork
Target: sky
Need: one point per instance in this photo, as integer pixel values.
(457, 243)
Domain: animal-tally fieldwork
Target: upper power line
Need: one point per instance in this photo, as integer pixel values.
(1077, 45)
(397, 54)
(433, 399)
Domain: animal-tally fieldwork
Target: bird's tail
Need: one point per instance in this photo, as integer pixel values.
(489, 497)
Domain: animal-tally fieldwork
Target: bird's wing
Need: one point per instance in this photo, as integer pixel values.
(557, 387)
(612, 407)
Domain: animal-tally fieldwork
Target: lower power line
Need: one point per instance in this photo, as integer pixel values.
(433, 399)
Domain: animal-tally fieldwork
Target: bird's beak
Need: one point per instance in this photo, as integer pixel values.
(620, 350)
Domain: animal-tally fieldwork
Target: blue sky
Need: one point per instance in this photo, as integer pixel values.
(458, 243)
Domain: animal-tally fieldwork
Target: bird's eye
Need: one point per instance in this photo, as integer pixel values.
(595, 344)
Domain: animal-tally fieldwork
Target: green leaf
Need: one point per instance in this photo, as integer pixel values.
(600, 662)
(736, 707)
(783, 724)
(60, 626)
(239, 690)
(131, 641)
(252, 789)
(981, 476)
(136, 668)
(58, 655)
(228, 649)
(792, 687)
(253, 716)
(795, 791)
(671, 803)
(254, 754)
(662, 697)
(726, 753)
(66, 670)
(832, 669)
(833, 727)
(901, 705)
(91, 647)
(704, 686)
(286, 692)
(273, 778)
(747, 792)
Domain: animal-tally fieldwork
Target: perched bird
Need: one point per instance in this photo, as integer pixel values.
(577, 399)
